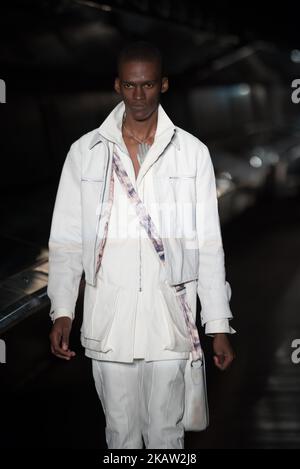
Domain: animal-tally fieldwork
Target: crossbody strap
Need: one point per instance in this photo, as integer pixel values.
(147, 222)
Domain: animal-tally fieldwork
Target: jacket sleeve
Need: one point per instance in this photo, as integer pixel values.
(65, 242)
(213, 290)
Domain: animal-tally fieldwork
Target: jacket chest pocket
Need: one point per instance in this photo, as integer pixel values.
(183, 195)
(176, 197)
(183, 187)
(86, 179)
(91, 188)
(170, 188)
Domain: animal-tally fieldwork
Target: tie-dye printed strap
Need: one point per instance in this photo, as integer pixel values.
(154, 237)
(144, 217)
(191, 325)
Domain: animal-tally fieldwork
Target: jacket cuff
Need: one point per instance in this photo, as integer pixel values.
(218, 326)
(215, 303)
(61, 312)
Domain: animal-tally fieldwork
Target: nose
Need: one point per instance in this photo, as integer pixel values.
(138, 93)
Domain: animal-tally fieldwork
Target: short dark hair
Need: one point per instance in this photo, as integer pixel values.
(140, 50)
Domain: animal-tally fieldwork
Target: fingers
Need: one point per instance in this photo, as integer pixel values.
(223, 352)
(59, 339)
(65, 355)
(62, 353)
(65, 338)
(223, 361)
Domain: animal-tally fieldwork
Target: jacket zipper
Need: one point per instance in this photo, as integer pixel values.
(140, 255)
(140, 258)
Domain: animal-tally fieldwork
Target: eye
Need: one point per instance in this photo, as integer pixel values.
(149, 85)
(127, 85)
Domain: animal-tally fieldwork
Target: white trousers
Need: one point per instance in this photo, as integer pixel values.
(142, 401)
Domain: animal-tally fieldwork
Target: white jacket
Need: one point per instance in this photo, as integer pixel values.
(179, 171)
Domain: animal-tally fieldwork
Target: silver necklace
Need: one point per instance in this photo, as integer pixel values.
(136, 138)
(143, 147)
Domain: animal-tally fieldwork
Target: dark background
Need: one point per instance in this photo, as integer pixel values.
(230, 66)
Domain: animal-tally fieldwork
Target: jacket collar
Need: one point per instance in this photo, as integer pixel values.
(111, 128)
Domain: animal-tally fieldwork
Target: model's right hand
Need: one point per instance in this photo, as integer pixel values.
(59, 338)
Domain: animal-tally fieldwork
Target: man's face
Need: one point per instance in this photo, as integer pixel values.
(140, 84)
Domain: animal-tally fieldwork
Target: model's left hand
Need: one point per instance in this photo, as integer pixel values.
(224, 353)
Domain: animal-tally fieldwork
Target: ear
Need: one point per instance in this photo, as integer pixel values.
(164, 85)
(117, 85)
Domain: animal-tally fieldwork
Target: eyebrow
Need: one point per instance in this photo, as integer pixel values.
(134, 83)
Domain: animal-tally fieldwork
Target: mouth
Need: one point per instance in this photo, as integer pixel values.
(138, 106)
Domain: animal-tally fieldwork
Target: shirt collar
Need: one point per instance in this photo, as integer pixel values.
(111, 128)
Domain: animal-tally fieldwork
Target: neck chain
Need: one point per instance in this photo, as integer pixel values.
(138, 140)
